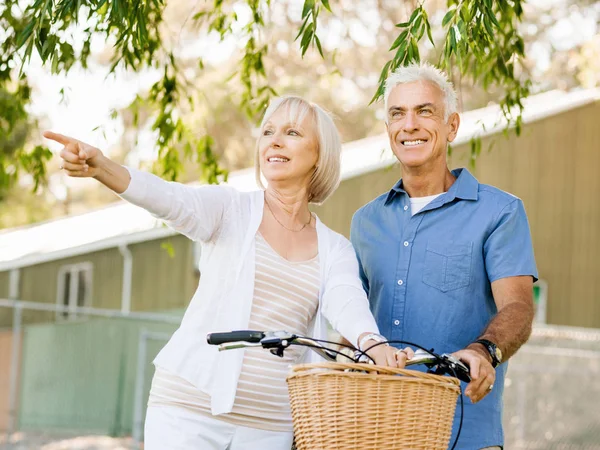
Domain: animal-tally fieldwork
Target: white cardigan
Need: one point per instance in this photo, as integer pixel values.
(226, 221)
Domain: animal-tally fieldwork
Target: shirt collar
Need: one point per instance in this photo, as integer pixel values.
(465, 187)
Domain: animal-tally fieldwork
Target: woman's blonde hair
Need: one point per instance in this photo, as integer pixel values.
(326, 177)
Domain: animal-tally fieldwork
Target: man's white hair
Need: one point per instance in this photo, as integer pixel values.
(422, 72)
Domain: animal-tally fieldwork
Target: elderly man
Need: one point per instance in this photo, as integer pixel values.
(447, 262)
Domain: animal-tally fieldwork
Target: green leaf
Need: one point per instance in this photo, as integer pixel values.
(492, 17)
(488, 26)
(318, 42)
(465, 14)
(54, 66)
(308, 7)
(420, 32)
(520, 46)
(306, 40)
(384, 71)
(402, 50)
(453, 38)
(326, 5)
(462, 30)
(429, 36)
(414, 14)
(415, 50)
(403, 24)
(416, 25)
(25, 34)
(518, 124)
(378, 93)
(302, 28)
(448, 17)
(401, 38)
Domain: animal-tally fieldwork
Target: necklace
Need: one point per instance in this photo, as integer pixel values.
(277, 220)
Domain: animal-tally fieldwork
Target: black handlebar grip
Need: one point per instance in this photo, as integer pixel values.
(234, 336)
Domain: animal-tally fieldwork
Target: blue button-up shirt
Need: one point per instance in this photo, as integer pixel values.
(429, 276)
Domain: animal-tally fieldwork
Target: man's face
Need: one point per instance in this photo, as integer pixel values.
(418, 133)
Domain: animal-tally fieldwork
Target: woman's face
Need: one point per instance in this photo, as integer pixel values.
(288, 152)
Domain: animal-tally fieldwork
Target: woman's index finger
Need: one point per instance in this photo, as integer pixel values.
(60, 138)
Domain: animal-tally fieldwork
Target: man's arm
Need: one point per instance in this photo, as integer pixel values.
(509, 330)
(511, 327)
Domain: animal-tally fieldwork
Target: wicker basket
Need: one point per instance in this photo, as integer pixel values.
(383, 409)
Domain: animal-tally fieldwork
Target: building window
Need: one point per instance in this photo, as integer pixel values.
(74, 289)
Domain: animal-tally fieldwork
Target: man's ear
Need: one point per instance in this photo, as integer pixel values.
(453, 123)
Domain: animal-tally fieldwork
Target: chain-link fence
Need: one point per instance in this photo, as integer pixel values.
(63, 380)
(67, 372)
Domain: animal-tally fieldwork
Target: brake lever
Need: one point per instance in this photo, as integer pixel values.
(277, 342)
(235, 345)
(455, 367)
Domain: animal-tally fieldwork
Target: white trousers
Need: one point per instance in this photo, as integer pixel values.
(171, 427)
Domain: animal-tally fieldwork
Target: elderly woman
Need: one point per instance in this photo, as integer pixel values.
(267, 263)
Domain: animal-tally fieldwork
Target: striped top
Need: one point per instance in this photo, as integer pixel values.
(286, 296)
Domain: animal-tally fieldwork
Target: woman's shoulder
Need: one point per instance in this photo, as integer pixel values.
(337, 241)
(232, 192)
(244, 204)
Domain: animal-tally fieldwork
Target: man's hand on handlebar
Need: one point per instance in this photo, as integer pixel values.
(482, 373)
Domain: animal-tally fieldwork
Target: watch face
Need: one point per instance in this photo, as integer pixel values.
(498, 354)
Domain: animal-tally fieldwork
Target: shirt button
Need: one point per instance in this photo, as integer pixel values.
(405, 207)
(406, 243)
(396, 322)
(400, 282)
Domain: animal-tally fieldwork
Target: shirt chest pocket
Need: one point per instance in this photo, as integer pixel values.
(448, 265)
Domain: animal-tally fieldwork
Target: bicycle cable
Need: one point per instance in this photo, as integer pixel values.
(462, 411)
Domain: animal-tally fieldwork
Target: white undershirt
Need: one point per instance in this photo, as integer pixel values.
(418, 203)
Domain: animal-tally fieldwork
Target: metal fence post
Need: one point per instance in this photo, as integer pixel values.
(140, 378)
(139, 388)
(14, 370)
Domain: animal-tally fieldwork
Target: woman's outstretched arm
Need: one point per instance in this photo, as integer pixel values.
(196, 212)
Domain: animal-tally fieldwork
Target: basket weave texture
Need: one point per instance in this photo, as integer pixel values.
(382, 409)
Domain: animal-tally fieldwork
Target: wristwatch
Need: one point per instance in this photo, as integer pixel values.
(493, 350)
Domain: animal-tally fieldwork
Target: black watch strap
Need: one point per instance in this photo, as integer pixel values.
(493, 350)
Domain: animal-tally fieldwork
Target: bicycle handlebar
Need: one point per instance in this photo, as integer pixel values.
(278, 341)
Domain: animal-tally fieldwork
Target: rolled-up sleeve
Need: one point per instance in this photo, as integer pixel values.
(345, 303)
(508, 250)
(194, 211)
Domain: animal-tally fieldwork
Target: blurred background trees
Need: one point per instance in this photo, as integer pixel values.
(202, 73)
